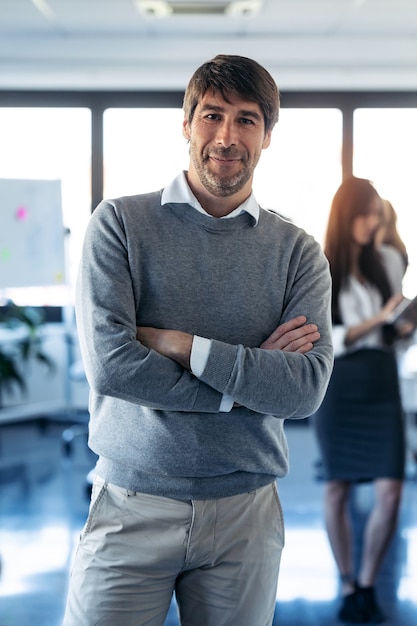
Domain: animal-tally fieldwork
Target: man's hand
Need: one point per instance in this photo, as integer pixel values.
(171, 343)
(293, 336)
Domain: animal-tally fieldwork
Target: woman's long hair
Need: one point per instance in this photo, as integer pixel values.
(353, 198)
(391, 236)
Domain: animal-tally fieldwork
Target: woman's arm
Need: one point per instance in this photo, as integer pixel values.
(354, 333)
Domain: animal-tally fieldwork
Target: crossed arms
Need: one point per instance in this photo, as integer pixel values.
(284, 375)
(292, 336)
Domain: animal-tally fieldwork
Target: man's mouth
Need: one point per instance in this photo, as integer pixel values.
(225, 159)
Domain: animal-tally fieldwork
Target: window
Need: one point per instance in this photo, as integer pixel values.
(385, 152)
(297, 175)
(144, 149)
(300, 171)
(51, 143)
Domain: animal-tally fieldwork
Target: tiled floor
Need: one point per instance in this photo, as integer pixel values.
(43, 505)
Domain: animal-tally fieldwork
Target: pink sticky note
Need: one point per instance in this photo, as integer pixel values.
(21, 213)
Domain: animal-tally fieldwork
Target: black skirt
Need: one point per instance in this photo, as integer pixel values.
(360, 425)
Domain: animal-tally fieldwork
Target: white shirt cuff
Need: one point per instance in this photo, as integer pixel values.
(226, 405)
(200, 351)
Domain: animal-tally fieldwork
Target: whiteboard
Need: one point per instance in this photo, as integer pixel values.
(32, 236)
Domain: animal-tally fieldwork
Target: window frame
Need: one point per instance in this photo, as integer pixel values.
(99, 101)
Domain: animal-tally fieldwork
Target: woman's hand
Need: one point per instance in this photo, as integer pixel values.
(389, 307)
(354, 333)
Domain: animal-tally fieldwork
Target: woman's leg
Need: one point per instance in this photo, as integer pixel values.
(380, 528)
(378, 533)
(339, 530)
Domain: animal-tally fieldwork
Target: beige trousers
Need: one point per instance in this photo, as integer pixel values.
(220, 557)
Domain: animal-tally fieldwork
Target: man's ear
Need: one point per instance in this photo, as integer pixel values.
(267, 140)
(186, 129)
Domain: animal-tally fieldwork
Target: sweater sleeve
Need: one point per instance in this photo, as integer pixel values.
(284, 384)
(116, 364)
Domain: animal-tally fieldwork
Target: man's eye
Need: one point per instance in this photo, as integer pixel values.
(246, 120)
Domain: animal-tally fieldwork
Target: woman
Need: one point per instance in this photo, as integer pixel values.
(359, 425)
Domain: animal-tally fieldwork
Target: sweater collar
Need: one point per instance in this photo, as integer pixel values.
(178, 191)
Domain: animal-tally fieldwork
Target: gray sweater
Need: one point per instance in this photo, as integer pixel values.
(155, 426)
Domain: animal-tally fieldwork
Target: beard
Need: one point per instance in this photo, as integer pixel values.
(220, 186)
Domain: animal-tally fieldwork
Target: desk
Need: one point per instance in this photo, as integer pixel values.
(33, 411)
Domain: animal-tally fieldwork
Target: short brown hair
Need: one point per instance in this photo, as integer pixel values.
(232, 74)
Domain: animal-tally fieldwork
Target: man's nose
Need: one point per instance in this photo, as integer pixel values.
(226, 134)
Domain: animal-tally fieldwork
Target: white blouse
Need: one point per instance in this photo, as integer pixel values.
(360, 301)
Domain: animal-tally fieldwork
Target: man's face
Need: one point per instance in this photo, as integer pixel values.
(226, 140)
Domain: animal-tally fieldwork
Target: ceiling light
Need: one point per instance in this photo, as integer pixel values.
(44, 8)
(166, 8)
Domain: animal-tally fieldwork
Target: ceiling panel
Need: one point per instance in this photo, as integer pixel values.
(306, 44)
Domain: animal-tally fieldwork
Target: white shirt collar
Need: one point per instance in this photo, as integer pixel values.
(178, 191)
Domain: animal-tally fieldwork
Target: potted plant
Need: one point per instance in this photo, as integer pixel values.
(23, 324)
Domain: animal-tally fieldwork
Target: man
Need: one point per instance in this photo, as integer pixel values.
(204, 323)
